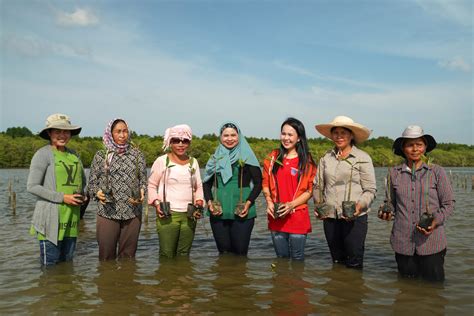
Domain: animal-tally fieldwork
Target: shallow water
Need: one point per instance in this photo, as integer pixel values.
(208, 284)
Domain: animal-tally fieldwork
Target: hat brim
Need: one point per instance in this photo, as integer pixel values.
(360, 132)
(75, 130)
(397, 144)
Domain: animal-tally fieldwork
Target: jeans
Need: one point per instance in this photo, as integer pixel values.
(232, 235)
(289, 245)
(50, 254)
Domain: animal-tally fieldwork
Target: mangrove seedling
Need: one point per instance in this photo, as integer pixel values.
(239, 208)
(216, 204)
(321, 207)
(165, 205)
(426, 219)
(348, 206)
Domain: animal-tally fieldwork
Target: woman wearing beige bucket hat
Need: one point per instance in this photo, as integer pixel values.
(57, 178)
(344, 189)
(419, 247)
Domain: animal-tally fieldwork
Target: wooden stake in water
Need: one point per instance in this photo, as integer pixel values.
(14, 202)
(10, 191)
(472, 183)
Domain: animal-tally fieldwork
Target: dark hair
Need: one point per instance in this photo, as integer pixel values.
(228, 125)
(115, 123)
(347, 129)
(302, 147)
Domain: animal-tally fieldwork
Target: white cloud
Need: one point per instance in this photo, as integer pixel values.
(35, 46)
(457, 11)
(457, 63)
(80, 17)
(307, 73)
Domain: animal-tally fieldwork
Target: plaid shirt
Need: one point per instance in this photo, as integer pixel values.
(409, 192)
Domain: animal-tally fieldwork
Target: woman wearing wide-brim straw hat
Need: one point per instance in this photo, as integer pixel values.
(419, 251)
(345, 173)
(56, 177)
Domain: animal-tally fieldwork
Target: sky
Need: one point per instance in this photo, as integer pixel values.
(386, 64)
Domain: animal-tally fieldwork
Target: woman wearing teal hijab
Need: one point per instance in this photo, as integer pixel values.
(232, 163)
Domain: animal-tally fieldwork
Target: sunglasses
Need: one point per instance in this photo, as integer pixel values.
(184, 141)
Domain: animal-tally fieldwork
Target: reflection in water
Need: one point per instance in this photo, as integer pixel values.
(231, 286)
(289, 292)
(174, 289)
(58, 290)
(420, 297)
(117, 289)
(345, 290)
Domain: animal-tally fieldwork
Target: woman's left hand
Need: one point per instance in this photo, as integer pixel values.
(245, 211)
(430, 228)
(138, 201)
(286, 208)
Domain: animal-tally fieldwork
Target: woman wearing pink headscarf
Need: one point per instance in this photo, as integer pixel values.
(175, 188)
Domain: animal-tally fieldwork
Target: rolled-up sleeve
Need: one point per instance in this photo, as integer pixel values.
(445, 196)
(367, 182)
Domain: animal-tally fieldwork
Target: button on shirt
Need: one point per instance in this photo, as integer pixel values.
(412, 194)
(333, 178)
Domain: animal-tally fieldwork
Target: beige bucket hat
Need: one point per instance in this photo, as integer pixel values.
(411, 132)
(59, 121)
(360, 132)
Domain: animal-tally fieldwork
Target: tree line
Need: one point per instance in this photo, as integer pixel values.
(19, 144)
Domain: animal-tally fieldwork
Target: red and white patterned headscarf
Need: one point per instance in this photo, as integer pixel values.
(182, 131)
(108, 139)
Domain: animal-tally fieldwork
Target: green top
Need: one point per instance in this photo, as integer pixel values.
(68, 171)
(229, 195)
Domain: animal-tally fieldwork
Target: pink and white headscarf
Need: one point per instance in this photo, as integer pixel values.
(108, 140)
(182, 131)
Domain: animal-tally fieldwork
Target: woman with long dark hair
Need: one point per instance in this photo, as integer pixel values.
(288, 174)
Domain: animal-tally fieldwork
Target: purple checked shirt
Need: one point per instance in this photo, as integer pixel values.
(409, 197)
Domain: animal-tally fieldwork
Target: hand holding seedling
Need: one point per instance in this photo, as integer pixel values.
(430, 228)
(101, 196)
(138, 201)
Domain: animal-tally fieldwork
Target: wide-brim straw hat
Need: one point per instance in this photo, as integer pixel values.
(360, 132)
(59, 121)
(412, 132)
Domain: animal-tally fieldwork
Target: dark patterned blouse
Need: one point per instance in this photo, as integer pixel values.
(126, 173)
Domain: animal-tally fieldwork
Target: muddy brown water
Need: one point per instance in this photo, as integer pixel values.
(207, 283)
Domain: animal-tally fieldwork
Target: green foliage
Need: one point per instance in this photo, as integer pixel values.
(17, 151)
(18, 132)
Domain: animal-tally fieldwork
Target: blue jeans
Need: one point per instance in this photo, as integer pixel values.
(289, 245)
(51, 254)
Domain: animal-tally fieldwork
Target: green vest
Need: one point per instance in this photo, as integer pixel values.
(229, 195)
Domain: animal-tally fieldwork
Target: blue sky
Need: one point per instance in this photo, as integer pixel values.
(387, 64)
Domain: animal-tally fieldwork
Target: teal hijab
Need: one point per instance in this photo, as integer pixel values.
(223, 159)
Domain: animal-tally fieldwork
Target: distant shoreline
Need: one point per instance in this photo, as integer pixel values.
(18, 151)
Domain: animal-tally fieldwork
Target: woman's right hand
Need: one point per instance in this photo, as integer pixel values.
(270, 208)
(213, 211)
(101, 197)
(318, 216)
